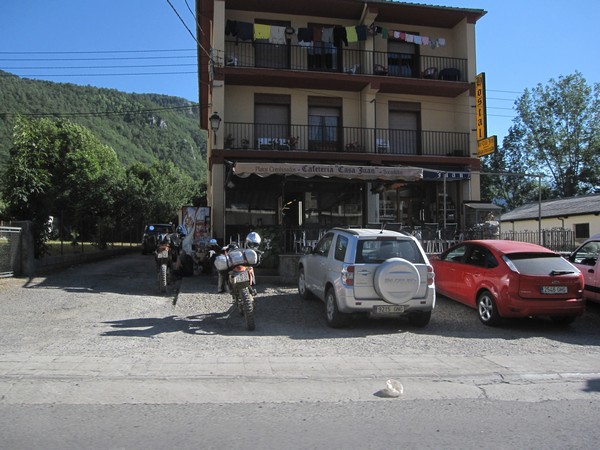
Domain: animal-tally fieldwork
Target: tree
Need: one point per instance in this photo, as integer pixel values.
(160, 190)
(59, 168)
(557, 130)
(508, 191)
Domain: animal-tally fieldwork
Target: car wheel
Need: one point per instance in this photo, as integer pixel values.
(419, 319)
(302, 289)
(335, 319)
(562, 320)
(487, 309)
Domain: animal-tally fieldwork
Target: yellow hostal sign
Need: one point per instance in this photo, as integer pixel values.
(486, 146)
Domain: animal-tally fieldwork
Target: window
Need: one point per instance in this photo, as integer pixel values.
(272, 121)
(457, 254)
(404, 125)
(538, 263)
(588, 254)
(402, 59)
(324, 128)
(322, 56)
(482, 257)
(324, 244)
(582, 230)
(340, 248)
(270, 55)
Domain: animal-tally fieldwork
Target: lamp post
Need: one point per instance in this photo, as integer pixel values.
(215, 122)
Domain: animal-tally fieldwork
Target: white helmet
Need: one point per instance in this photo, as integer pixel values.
(253, 240)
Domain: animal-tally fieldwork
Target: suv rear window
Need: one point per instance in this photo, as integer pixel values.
(539, 263)
(376, 251)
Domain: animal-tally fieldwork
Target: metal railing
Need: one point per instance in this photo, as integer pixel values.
(556, 239)
(328, 58)
(344, 139)
(10, 250)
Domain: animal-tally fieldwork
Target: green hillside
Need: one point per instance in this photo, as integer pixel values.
(139, 127)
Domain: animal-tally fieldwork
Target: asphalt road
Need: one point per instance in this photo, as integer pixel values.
(93, 356)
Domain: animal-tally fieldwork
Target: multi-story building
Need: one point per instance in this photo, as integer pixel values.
(337, 112)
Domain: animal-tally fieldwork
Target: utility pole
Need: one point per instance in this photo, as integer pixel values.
(522, 175)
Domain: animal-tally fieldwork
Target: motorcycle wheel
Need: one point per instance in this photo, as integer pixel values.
(162, 278)
(248, 306)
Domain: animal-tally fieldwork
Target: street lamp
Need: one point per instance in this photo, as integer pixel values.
(215, 122)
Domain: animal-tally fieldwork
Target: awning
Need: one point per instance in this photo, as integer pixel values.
(388, 173)
(485, 206)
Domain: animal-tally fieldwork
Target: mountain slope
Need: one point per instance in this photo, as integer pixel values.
(139, 127)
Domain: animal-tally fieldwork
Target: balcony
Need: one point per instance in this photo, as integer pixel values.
(331, 60)
(309, 138)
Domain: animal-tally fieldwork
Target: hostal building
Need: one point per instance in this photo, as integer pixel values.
(337, 112)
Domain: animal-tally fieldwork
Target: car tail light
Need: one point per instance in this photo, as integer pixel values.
(430, 275)
(348, 275)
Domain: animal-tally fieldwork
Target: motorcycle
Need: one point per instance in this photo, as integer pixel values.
(164, 262)
(204, 254)
(237, 266)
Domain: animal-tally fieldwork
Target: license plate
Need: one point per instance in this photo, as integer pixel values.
(554, 289)
(164, 254)
(388, 309)
(240, 277)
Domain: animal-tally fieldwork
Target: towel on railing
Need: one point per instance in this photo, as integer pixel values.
(277, 35)
(262, 31)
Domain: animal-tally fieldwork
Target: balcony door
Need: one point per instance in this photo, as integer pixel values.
(404, 126)
(270, 55)
(323, 128)
(272, 122)
(403, 59)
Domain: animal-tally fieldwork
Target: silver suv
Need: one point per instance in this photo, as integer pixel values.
(377, 272)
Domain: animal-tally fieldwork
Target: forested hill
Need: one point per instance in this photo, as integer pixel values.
(139, 127)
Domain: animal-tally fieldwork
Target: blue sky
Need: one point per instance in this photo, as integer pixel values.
(520, 43)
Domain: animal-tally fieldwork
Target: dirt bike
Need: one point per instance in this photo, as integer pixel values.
(237, 265)
(204, 254)
(164, 263)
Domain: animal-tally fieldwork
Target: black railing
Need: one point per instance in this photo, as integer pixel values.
(310, 138)
(327, 58)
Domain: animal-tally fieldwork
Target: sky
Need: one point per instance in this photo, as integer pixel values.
(144, 46)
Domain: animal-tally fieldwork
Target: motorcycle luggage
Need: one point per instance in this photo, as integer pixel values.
(235, 258)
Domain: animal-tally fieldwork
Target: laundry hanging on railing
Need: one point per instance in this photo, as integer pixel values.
(337, 35)
(416, 39)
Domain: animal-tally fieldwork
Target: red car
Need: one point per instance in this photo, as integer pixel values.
(510, 279)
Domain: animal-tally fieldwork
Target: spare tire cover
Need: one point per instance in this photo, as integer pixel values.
(397, 280)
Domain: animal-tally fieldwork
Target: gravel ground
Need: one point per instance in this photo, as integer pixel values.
(112, 308)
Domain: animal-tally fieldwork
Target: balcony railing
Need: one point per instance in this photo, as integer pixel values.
(328, 58)
(314, 138)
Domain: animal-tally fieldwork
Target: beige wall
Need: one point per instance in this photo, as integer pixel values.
(552, 222)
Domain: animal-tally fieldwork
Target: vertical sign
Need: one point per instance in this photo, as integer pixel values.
(480, 108)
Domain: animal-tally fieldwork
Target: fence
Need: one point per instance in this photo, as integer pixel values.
(10, 250)
(556, 239)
